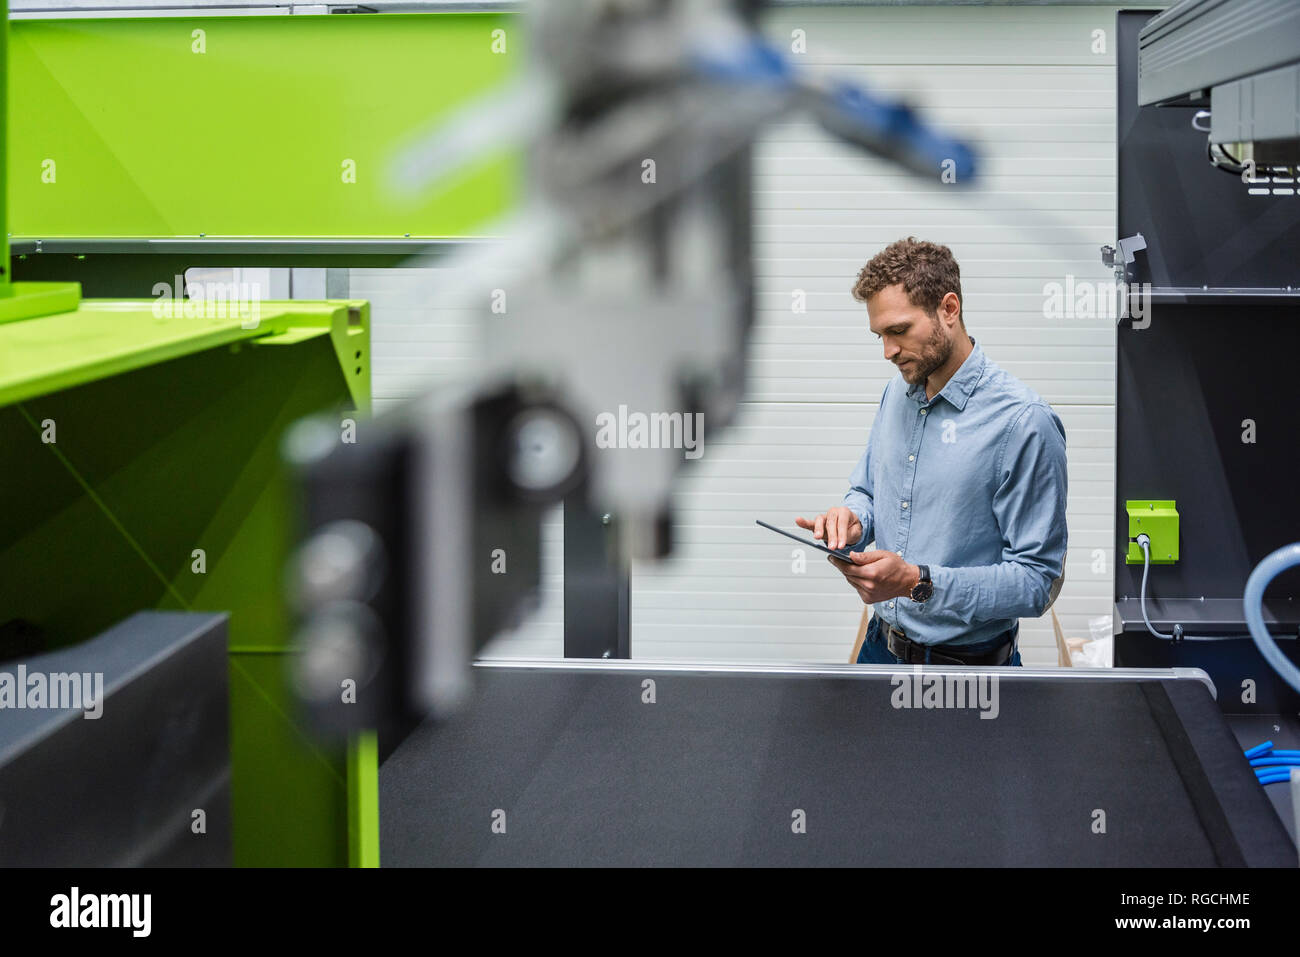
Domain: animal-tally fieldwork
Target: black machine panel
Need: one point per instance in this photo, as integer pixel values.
(1189, 387)
(122, 788)
(1202, 226)
(1205, 408)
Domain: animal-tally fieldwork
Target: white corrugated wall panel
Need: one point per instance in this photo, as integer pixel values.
(1023, 84)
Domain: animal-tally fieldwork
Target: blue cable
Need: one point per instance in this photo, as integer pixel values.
(1253, 602)
(1272, 767)
(1275, 779)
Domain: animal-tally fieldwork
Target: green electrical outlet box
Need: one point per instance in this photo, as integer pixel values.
(1159, 520)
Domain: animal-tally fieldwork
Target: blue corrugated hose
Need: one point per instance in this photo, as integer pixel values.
(1253, 601)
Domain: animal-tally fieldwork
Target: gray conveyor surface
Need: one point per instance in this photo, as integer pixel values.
(715, 771)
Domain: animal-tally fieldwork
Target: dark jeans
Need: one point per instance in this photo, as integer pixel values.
(876, 652)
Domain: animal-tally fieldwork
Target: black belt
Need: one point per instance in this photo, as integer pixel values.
(902, 647)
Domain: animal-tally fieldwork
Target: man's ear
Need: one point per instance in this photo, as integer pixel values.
(957, 317)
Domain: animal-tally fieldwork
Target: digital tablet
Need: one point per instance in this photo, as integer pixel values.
(838, 553)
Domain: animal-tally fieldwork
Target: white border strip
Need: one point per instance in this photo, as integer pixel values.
(842, 671)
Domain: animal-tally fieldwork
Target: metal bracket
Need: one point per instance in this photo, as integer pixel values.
(1122, 255)
(1158, 519)
(1120, 258)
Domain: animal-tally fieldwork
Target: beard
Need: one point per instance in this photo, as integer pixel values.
(934, 353)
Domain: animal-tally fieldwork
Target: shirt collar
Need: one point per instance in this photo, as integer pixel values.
(959, 388)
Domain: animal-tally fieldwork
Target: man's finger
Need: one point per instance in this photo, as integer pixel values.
(873, 556)
(862, 573)
(857, 573)
(803, 523)
(819, 530)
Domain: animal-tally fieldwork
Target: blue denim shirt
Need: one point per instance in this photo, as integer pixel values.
(971, 483)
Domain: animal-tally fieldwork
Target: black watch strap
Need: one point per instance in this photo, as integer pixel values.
(924, 587)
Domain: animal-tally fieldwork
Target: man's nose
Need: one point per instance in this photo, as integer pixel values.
(891, 351)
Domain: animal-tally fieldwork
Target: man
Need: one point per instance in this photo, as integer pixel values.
(962, 485)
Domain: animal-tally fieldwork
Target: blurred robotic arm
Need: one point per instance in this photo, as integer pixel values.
(628, 288)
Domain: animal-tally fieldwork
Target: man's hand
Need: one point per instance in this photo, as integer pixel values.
(837, 527)
(878, 575)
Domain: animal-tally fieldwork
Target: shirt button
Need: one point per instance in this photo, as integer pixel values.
(923, 411)
(891, 604)
(900, 554)
(904, 505)
(911, 458)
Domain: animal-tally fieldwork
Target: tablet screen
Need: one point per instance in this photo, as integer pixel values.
(840, 553)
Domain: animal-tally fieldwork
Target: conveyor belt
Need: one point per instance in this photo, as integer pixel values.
(715, 770)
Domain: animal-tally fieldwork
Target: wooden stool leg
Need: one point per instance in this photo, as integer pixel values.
(862, 634)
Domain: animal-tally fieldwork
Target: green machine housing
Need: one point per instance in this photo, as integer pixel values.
(142, 442)
(145, 472)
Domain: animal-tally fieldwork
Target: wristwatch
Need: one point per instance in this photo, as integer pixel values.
(923, 589)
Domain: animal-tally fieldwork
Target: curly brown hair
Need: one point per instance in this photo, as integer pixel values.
(927, 271)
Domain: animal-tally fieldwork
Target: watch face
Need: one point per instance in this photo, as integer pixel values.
(922, 591)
